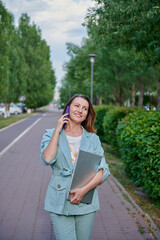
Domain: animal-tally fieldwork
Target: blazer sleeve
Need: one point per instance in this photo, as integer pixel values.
(103, 165)
(44, 143)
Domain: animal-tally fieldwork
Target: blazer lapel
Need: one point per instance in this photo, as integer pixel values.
(64, 145)
(85, 141)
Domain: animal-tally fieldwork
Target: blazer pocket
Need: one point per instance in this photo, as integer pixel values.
(58, 193)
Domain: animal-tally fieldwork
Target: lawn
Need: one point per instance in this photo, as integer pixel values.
(4, 122)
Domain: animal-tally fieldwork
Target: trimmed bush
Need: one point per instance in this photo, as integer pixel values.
(100, 112)
(138, 136)
(110, 122)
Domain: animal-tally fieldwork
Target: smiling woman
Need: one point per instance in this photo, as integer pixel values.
(59, 148)
(81, 107)
(78, 113)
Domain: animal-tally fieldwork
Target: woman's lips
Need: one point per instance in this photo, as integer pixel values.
(78, 115)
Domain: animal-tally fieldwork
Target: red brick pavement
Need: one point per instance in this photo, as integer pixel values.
(23, 184)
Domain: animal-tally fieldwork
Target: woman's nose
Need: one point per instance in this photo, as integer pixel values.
(80, 109)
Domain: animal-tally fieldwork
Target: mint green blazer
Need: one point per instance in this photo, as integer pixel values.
(56, 197)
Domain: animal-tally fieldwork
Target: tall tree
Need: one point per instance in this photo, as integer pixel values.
(114, 73)
(127, 24)
(18, 69)
(40, 80)
(6, 26)
(25, 66)
(77, 77)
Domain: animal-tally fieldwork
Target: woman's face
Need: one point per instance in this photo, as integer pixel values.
(78, 110)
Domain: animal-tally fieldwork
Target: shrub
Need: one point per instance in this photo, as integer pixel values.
(100, 112)
(138, 136)
(110, 122)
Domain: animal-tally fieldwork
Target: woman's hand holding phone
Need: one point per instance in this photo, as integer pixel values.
(66, 112)
(62, 121)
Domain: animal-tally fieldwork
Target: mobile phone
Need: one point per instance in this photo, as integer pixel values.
(67, 111)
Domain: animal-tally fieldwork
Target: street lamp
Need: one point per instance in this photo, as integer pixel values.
(92, 57)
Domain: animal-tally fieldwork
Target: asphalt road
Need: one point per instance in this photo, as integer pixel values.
(7, 135)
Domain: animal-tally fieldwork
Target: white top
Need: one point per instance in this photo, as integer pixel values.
(74, 144)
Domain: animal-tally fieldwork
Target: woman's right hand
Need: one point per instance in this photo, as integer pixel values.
(63, 119)
(51, 149)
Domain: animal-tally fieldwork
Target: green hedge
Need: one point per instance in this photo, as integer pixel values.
(100, 112)
(138, 136)
(110, 122)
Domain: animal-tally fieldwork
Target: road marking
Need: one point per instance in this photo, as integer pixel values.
(21, 135)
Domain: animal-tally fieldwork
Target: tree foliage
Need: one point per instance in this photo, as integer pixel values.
(77, 77)
(26, 68)
(5, 28)
(40, 80)
(131, 26)
(115, 70)
(128, 24)
(125, 37)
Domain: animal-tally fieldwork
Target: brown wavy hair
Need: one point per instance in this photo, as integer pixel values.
(88, 123)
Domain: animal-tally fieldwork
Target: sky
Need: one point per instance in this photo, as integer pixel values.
(60, 21)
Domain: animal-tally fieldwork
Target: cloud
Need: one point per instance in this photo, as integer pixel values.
(75, 32)
(59, 20)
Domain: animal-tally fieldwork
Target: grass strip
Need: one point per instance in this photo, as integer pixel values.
(148, 205)
(4, 122)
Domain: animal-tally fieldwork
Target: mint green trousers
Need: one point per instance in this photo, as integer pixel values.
(76, 227)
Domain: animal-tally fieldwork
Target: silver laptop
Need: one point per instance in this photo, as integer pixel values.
(85, 169)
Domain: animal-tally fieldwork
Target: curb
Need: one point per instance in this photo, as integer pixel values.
(157, 233)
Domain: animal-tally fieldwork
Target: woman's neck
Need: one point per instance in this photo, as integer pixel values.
(73, 130)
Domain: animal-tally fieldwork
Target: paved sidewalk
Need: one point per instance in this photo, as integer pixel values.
(117, 218)
(23, 185)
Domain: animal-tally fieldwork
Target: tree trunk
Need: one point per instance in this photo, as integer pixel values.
(141, 93)
(133, 95)
(7, 113)
(158, 98)
(120, 96)
(100, 100)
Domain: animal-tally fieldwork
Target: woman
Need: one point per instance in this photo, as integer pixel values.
(72, 219)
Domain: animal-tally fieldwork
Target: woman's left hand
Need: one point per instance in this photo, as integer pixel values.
(77, 195)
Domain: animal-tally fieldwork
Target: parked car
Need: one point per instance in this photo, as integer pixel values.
(22, 106)
(2, 109)
(14, 109)
(1, 104)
